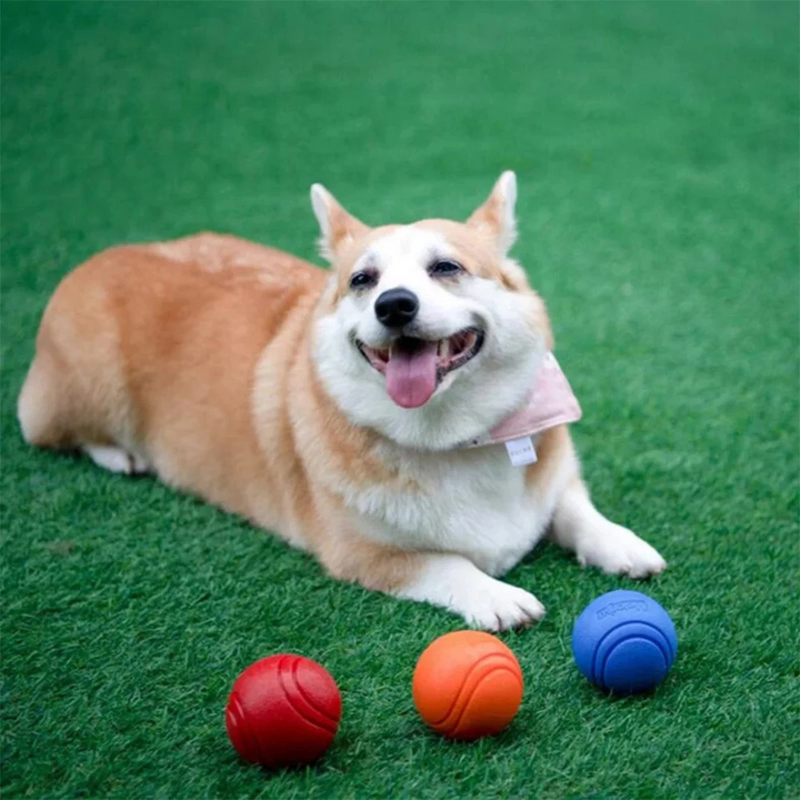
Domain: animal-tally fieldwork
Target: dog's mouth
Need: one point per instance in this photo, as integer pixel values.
(415, 367)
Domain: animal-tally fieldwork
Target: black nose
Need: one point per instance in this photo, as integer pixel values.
(396, 307)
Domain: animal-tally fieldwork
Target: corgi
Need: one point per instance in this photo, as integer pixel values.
(382, 415)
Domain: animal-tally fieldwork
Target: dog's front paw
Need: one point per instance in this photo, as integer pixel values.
(501, 607)
(618, 551)
(455, 583)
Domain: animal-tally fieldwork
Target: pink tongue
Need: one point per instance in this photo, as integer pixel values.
(411, 377)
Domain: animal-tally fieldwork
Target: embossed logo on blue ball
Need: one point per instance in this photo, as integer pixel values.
(616, 608)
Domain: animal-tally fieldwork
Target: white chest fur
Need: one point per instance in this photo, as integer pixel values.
(472, 502)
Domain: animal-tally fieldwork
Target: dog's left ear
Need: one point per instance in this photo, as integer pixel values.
(496, 216)
(337, 227)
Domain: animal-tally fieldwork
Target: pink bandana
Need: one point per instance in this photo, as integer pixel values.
(550, 403)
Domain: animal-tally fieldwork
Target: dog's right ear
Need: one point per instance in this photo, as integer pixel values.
(337, 227)
(496, 216)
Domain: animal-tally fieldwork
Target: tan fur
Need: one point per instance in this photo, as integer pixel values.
(196, 356)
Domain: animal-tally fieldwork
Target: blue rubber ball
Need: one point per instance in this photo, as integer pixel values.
(624, 642)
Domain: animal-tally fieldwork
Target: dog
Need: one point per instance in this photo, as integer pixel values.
(359, 412)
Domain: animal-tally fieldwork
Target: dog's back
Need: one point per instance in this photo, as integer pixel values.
(165, 337)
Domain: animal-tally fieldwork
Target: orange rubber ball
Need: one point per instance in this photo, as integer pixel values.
(467, 684)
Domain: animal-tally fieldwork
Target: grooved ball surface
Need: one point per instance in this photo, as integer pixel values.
(467, 684)
(624, 642)
(283, 711)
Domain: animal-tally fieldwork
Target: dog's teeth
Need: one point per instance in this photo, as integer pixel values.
(444, 348)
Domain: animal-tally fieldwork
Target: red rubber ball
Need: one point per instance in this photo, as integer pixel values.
(283, 711)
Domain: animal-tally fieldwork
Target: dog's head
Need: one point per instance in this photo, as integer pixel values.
(427, 333)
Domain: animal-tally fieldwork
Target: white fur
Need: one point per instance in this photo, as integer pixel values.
(479, 516)
(472, 502)
(325, 208)
(115, 459)
(320, 199)
(496, 217)
(455, 583)
(598, 542)
(470, 510)
(403, 257)
(471, 399)
(506, 188)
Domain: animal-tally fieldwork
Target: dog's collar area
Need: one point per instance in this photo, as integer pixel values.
(551, 402)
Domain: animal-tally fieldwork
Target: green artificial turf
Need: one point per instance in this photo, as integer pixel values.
(657, 153)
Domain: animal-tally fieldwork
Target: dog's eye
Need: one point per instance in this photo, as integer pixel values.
(445, 268)
(365, 279)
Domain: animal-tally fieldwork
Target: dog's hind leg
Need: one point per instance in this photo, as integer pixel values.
(74, 396)
(115, 459)
(43, 406)
(51, 415)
